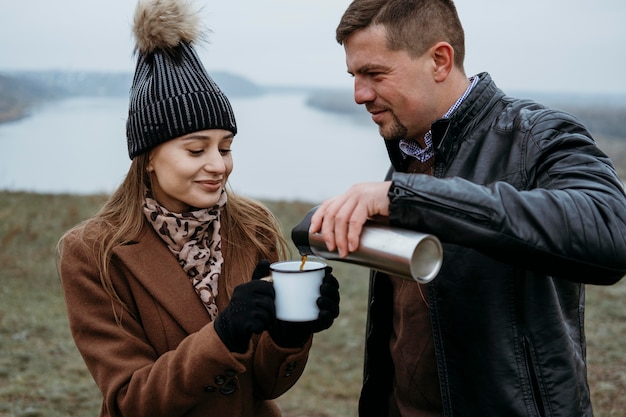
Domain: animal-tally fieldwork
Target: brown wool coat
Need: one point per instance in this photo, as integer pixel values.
(166, 359)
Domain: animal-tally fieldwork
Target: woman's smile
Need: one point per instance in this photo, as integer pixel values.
(210, 185)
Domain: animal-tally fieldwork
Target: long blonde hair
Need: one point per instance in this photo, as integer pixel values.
(121, 220)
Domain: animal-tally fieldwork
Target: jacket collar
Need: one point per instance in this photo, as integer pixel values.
(447, 133)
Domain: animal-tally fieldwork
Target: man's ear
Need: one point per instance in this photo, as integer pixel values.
(443, 59)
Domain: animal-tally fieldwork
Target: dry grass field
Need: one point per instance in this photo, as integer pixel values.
(42, 374)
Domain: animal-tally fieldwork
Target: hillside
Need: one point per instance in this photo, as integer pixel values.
(18, 96)
(21, 91)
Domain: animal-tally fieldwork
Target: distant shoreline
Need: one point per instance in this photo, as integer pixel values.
(603, 114)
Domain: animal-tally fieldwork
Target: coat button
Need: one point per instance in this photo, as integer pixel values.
(209, 388)
(289, 368)
(220, 379)
(229, 387)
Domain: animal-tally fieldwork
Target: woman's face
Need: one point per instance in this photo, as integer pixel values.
(191, 171)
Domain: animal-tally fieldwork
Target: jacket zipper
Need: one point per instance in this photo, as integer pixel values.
(534, 380)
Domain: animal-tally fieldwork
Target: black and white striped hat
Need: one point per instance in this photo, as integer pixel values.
(172, 94)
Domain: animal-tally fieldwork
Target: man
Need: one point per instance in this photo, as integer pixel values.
(528, 208)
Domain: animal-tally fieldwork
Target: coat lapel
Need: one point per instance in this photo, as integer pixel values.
(157, 269)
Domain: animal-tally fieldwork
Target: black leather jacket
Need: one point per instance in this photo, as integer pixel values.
(528, 210)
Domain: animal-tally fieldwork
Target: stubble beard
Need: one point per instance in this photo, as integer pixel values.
(395, 131)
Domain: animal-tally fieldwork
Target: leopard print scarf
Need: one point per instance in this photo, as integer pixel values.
(194, 238)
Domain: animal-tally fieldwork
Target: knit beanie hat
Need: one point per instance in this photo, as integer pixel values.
(172, 94)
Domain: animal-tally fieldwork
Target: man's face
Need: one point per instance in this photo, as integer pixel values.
(395, 88)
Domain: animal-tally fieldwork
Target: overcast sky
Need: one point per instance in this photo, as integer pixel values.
(534, 45)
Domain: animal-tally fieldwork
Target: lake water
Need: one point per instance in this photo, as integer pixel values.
(284, 150)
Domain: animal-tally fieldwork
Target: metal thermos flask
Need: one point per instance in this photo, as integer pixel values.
(392, 250)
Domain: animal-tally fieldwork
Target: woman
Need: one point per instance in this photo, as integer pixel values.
(162, 285)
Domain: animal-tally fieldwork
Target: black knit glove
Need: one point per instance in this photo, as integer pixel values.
(250, 310)
(294, 334)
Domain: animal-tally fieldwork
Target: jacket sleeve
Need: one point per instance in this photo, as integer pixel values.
(135, 377)
(560, 208)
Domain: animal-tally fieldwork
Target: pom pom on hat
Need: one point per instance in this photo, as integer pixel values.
(171, 94)
(163, 24)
